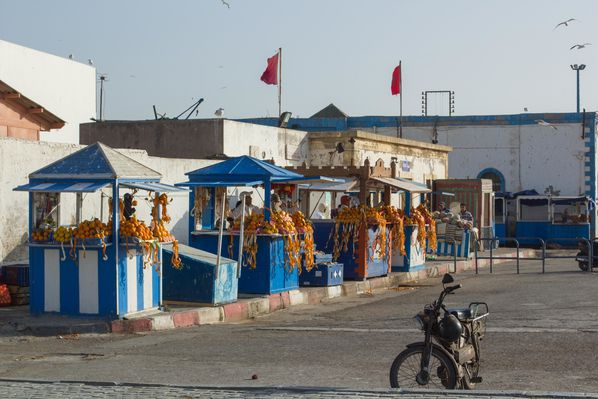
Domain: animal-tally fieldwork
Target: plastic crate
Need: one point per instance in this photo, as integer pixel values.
(15, 275)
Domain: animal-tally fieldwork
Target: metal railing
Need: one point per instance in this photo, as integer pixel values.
(544, 255)
(454, 243)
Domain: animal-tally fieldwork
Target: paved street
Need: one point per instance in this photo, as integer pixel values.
(542, 336)
(12, 389)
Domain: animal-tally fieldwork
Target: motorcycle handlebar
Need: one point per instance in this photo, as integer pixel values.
(453, 288)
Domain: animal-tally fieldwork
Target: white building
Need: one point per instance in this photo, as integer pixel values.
(64, 87)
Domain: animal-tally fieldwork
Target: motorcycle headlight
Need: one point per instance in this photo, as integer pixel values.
(419, 322)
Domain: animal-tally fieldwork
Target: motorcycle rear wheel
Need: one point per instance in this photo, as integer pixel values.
(406, 366)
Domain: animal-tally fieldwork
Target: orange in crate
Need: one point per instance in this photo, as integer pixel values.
(4, 295)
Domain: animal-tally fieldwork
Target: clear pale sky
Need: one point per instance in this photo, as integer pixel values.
(498, 56)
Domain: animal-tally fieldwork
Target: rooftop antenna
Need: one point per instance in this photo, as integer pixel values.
(103, 78)
(191, 109)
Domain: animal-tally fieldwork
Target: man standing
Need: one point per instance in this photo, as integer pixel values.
(249, 208)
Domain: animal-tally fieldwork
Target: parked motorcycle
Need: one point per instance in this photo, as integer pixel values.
(582, 256)
(449, 356)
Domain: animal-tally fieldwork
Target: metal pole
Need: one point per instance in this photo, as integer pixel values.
(102, 78)
(577, 90)
(279, 82)
(517, 258)
(220, 234)
(543, 256)
(591, 255)
(491, 259)
(241, 238)
(475, 248)
(401, 99)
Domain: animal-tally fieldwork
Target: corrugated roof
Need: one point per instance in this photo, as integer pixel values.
(96, 161)
(46, 119)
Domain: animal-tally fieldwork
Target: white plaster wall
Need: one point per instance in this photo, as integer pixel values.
(65, 87)
(529, 156)
(19, 158)
(287, 147)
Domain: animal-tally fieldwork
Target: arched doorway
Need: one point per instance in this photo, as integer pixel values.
(498, 180)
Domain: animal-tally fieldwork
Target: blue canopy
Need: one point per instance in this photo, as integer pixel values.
(241, 169)
(98, 162)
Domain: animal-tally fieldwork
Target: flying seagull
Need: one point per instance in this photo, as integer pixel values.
(219, 112)
(565, 23)
(544, 123)
(580, 46)
(225, 3)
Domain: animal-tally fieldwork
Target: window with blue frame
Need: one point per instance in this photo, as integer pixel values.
(499, 210)
(533, 210)
(570, 211)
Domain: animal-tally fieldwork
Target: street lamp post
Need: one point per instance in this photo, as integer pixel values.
(578, 68)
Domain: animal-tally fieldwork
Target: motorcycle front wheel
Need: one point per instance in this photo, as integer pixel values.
(406, 366)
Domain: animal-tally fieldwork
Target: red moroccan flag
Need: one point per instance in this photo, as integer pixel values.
(270, 75)
(395, 86)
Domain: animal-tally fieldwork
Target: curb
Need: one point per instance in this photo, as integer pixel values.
(245, 309)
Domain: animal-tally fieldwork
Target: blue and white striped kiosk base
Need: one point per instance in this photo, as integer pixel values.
(415, 257)
(460, 244)
(90, 285)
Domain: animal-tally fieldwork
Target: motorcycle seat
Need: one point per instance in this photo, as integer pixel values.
(461, 313)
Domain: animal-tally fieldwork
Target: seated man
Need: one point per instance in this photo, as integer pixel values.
(465, 214)
(442, 208)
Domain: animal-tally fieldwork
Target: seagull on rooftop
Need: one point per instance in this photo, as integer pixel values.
(219, 112)
(544, 123)
(90, 61)
(580, 46)
(565, 23)
(70, 56)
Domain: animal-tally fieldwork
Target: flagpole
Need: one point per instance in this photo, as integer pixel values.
(401, 100)
(279, 81)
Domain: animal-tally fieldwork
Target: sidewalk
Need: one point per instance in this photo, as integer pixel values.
(16, 320)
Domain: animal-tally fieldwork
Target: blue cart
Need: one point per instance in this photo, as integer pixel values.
(556, 220)
(271, 274)
(201, 279)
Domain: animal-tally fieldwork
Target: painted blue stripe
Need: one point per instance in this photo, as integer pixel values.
(140, 305)
(36, 280)
(156, 282)
(107, 284)
(69, 285)
(339, 124)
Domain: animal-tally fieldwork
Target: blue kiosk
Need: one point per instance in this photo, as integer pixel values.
(556, 219)
(111, 280)
(368, 182)
(415, 257)
(209, 188)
